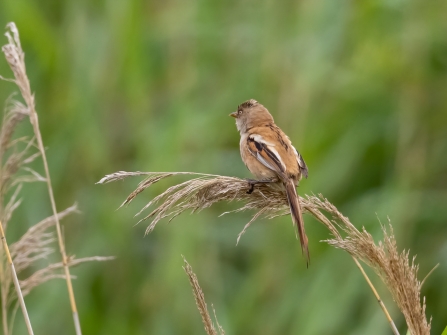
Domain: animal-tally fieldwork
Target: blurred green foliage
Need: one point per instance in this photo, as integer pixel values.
(359, 86)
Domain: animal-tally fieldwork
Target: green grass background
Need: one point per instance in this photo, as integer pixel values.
(359, 86)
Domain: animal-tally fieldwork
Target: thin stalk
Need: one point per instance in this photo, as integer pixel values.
(4, 294)
(35, 123)
(323, 219)
(12, 318)
(200, 299)
(4, 314)
(376, 294)
(16, 281)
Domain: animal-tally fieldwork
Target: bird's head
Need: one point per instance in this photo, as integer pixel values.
(251, 114)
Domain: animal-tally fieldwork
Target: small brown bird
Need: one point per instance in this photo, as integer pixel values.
(270, 156)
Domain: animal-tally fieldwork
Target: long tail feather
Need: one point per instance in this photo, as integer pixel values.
(297, 217)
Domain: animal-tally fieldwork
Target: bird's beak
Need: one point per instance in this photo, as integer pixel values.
(234, 114)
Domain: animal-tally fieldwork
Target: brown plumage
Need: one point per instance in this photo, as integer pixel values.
(269, 154)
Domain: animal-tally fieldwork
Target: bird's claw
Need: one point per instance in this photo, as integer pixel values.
(253, 182)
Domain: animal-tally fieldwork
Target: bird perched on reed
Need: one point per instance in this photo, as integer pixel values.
(270, 156)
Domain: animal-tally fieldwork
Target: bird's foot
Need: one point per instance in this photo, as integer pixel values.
(253, 182)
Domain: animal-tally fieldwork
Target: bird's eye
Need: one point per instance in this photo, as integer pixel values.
(239, 112)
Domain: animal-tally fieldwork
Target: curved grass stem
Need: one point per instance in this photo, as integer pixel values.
(376, 294)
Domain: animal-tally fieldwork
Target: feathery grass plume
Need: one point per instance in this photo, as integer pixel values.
(16, 59)
(50, 272)
(14, 156)
(201, 303)
(395, 269)
(34, 245)
(204, 190)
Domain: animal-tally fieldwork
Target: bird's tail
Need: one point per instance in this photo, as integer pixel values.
(297, 217)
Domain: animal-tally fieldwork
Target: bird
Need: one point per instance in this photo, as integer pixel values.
(269, 155)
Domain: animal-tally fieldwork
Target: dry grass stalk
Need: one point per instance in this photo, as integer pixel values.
(16, 281)
(16, 60)
(376, 294)
(15, 155)
(201, 303)
(395, 270)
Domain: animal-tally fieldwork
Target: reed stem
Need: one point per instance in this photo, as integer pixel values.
(35, 123)
(16, 282)
(376, 294)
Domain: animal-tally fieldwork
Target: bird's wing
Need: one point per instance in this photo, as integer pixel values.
(265, 153)
(303, 167)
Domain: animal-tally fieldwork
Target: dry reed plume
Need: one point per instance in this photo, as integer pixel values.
(15, 156)
(201, 303)
(202, 191)
(16, 59)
